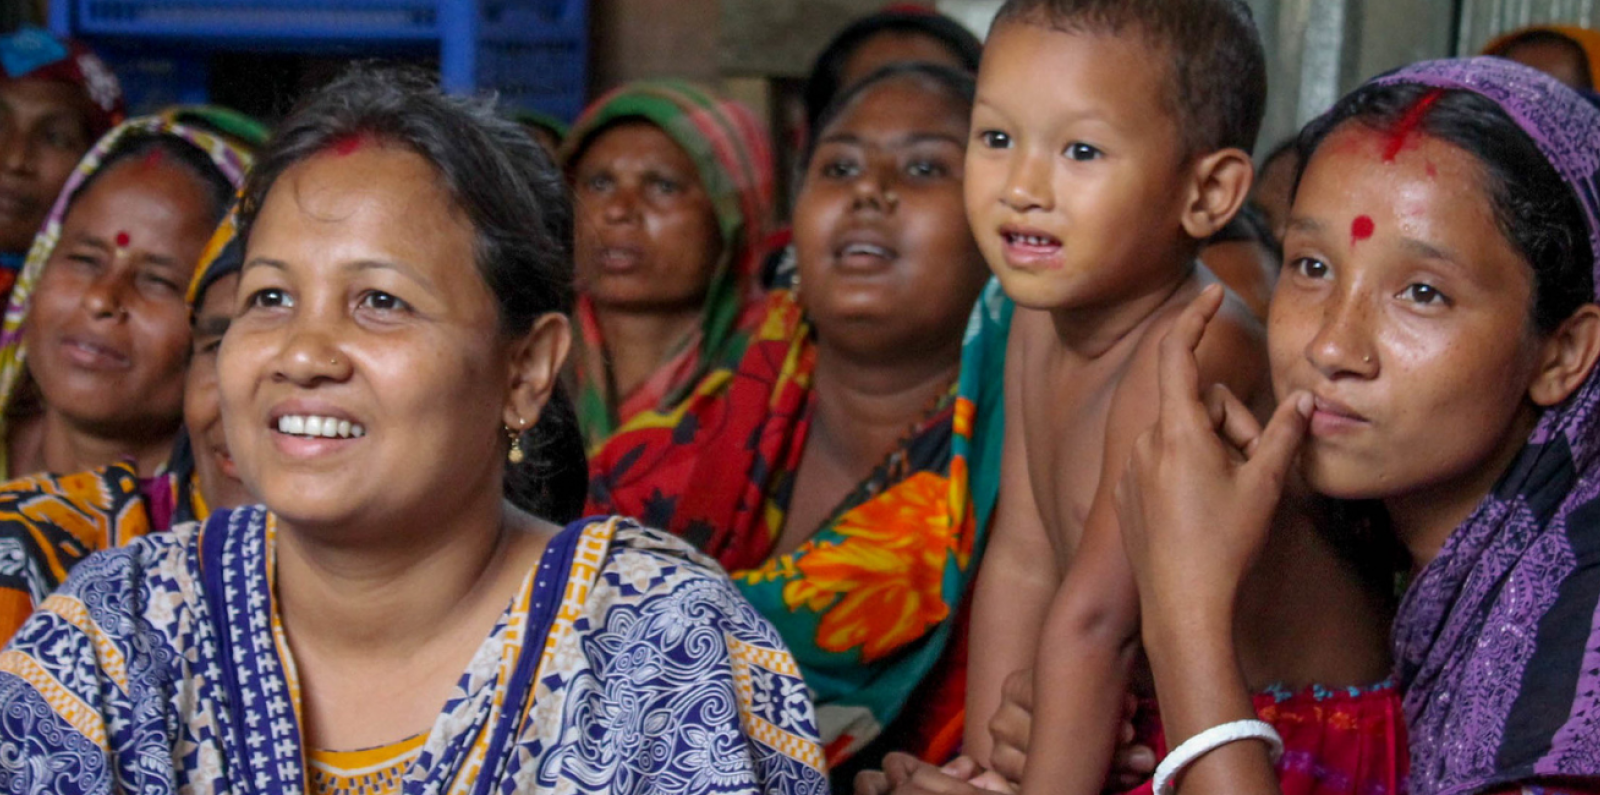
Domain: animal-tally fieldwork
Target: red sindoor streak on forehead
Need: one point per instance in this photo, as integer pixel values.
(1361, 229)
(349, 143)
(1408, 124)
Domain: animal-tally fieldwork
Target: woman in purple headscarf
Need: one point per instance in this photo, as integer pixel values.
(1433, 338)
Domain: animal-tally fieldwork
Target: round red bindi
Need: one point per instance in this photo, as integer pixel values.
(123, 239)
(1361, 228)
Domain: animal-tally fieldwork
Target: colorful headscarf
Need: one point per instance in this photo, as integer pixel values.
(869, 602)
(731, 152)
(34, 53)
(543, 121)
(243, 130)
(1586, 39)
(229, 159)
(1498, 638)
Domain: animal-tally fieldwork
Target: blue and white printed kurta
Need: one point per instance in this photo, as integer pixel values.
(627, 663)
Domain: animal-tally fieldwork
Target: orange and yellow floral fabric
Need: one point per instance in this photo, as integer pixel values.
(869, 603)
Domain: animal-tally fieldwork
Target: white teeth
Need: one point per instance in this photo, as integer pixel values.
(1033, 240)
(325, 427)
(867, 249)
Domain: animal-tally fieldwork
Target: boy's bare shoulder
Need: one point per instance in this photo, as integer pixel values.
(1233, 350)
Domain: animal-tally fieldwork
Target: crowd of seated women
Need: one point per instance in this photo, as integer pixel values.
(415, 444)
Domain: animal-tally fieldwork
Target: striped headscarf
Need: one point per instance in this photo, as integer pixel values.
(229, 159)
(732, 155)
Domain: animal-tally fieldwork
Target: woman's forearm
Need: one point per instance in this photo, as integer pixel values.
(1199, 685)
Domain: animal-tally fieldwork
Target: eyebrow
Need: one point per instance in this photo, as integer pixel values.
(384, 265)
(1428, 251)
(1085, 115)
(1309, 226)
(161, 260)
(910, 139)
(263, 262)
(352, 266)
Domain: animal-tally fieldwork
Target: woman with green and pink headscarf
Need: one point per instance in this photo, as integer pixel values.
(673, 189)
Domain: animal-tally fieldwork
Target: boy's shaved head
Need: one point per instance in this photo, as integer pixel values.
(1218, 90)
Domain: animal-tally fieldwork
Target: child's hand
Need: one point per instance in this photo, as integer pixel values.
(1201, 486)
(904, 774)
(1011, 726)
(1132, 764)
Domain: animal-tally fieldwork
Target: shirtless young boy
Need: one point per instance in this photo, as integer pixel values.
(1109, 140)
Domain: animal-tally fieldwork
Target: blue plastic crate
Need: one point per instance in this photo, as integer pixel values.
(534, 52)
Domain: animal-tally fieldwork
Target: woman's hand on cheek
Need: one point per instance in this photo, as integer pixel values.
(1198, 497)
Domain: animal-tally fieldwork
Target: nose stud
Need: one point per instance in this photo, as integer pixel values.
(1367, 359)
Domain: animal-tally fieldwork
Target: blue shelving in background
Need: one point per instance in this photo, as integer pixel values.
(534, 52)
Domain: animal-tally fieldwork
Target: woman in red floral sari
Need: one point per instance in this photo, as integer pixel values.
(826, 466)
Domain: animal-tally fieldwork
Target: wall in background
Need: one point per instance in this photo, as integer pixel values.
(631, 39)
(1482, 20)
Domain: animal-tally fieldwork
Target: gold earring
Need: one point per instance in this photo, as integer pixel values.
(516, 454)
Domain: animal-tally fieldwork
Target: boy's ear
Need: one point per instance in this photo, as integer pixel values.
(536, 361)
(1567, 358)
(1219, 183)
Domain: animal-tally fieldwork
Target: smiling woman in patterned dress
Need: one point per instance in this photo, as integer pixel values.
(395, 618)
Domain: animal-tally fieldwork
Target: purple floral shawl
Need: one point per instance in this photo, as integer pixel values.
(1498, 639)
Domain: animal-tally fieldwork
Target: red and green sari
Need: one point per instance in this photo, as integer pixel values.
(869, 604)
(733, 159)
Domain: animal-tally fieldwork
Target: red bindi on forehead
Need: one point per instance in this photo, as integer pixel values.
(124, 239)
(152, 159)
(1361, 229)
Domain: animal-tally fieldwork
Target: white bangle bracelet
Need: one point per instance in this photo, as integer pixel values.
(1210, 740)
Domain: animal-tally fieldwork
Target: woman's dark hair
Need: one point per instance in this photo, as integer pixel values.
(1249, 225)
(1535, 210)
(956, 84)
(827, 72)
(519, 209)
(141, 145)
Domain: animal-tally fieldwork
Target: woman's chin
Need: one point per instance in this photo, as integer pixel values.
(1341, 480)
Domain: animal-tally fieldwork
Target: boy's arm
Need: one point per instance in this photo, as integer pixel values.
(1018, 574)
(1091, 635)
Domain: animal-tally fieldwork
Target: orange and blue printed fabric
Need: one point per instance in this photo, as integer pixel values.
(869, 602)
(625, 663)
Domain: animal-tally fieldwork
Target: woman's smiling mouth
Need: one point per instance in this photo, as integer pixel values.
(314, 426)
